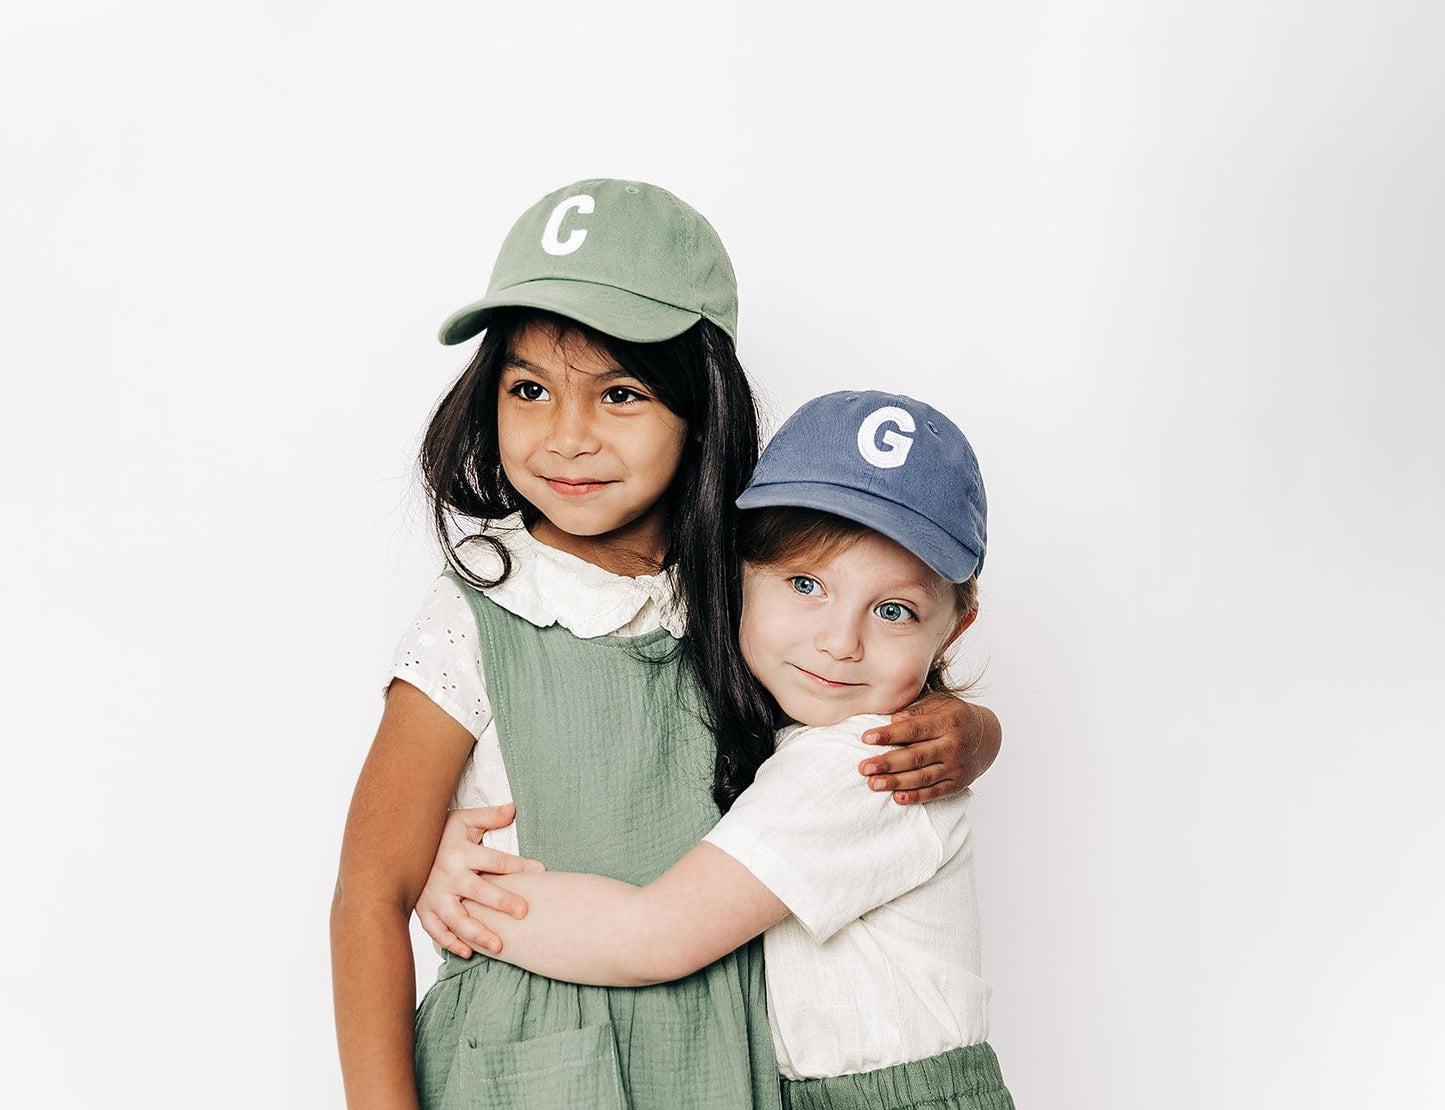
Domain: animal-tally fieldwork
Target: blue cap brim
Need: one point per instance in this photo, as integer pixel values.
(947, 555)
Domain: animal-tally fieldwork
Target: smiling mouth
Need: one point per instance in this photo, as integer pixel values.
(826, 683)
(576, 487)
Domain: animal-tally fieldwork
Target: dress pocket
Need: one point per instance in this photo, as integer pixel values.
(578, 1067)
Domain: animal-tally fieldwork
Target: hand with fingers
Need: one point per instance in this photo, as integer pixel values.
(944, 745)
(458, 879)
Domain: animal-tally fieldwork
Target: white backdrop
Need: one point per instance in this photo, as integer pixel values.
(1177, 269)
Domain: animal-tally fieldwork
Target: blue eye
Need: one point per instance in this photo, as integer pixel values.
(621, 395)
(528, 391)
(895, 613)
(806, 586)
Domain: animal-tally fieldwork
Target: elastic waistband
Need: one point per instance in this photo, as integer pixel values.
(452, 964)
(963, 1077)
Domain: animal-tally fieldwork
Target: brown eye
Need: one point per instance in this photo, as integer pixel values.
(621, 395)
(528, 391)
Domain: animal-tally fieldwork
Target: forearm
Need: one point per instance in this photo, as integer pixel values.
(581, 929)
(587, 929)
(391, 835)
(373, 983)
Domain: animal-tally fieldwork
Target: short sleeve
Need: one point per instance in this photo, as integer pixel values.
(831, 849)
(439, 655)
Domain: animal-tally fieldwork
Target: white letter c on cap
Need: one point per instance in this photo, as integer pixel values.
(896, 452)
(550, 241)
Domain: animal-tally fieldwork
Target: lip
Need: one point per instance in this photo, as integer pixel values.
(825, 683)
(576, 487)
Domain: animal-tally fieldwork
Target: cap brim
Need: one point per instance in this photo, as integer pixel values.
(950, 557)
(612, 311)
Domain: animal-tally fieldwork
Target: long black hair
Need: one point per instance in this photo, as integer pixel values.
(698, 377)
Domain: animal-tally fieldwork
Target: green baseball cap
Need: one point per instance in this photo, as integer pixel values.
(624, 257)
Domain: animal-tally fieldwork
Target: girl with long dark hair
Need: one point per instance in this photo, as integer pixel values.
(578, 659)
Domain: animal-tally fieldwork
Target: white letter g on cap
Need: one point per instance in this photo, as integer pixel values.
(896, 447)
(551, 242)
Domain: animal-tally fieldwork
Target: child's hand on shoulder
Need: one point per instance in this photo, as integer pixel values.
(944, 745)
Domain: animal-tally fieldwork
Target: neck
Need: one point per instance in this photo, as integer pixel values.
(635, 548)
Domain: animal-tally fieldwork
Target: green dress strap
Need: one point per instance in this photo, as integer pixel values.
(610, 765)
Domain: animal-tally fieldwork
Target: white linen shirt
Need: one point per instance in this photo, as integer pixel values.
(879, 963)
(440, 653)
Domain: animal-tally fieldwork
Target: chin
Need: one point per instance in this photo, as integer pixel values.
(814, 713)
(579, 520)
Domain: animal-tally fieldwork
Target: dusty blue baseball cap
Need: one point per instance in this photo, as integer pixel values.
(885, 460)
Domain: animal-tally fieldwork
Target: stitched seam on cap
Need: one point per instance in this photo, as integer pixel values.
(870, 493)
(599, 284)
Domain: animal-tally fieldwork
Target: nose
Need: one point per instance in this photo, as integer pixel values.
(839, 637)
(571, 433)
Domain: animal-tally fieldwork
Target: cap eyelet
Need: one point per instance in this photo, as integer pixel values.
(631, 189)
(929, 425)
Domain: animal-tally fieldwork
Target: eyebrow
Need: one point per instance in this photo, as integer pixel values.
(809, 568)
(905, 583)
(541, 371)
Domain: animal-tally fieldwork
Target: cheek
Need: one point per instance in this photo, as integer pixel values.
(906, 667)
(758, 635)
(511, 434)
(664, 447)
(513, 456)
(747, 636)
(749, 650)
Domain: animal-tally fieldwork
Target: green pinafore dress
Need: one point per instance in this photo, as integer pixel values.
(611, 770)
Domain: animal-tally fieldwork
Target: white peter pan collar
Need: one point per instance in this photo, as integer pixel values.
(549, 587)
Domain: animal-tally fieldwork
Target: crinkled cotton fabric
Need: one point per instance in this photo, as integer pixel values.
(439, 653)
(962, 1079)
(612, 768)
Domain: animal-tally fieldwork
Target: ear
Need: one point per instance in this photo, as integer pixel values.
(958, 629)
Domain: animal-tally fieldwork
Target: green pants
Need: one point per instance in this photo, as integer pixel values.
(963, 1079)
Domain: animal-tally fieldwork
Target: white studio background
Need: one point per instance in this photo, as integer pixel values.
(1175, 268)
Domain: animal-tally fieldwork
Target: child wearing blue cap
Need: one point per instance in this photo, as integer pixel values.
(862, 543)
(576, 668)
